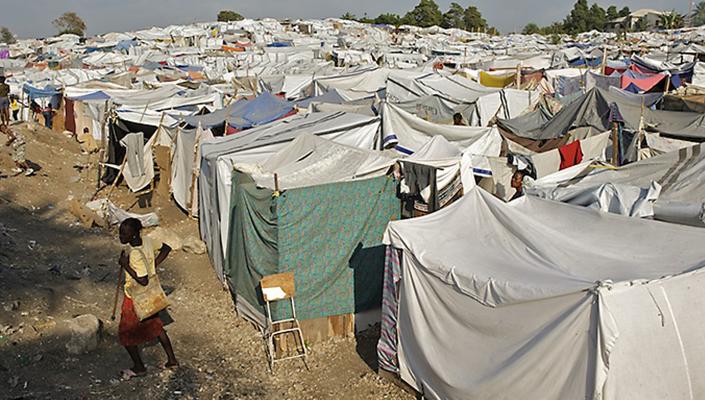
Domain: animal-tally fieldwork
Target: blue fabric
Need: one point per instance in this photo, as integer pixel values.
(125, 45)
(36, 93)
(279, 44)
(245, 114)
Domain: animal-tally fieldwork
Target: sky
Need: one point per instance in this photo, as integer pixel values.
(32, 18)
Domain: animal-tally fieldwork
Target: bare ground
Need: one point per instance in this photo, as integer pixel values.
(51, 268)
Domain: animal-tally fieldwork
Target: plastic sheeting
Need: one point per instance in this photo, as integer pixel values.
(409, 133)
(632, 189)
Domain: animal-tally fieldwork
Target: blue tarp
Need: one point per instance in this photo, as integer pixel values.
(37, 93)
(245, 114)
(279, 44)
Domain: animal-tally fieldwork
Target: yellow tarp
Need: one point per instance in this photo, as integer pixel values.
(496, 81)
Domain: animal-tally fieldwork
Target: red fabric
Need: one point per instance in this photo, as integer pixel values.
(132, 331)
(645, 84)
(609, 70)
(69, 116)
(571, 154)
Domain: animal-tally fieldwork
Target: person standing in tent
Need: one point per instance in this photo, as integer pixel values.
(458, 119)
(140, 261)
(48, 114)
(16, 140)
(518, 183)
(4, 102)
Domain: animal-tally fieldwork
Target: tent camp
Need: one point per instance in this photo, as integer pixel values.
(487, 300)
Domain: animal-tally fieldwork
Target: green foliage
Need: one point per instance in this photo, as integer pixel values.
(454, 17)
(473, 20)
(228, 15)
(530, 29)
(612, 13)
(641, 25)
(672, 20)
(699, 14)
(624, 12)
(388, 19)
(425, 14)
(493, 31)
(6, 36)
(348, 16)
(70, 22)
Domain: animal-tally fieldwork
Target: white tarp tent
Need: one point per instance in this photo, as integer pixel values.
(496, 301)
(255, 145)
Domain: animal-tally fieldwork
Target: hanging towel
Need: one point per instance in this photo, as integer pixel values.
(571, 154)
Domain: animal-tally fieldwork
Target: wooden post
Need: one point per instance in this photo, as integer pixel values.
(668, 83)
(604, 60)
(195, 171)
(615, 144)
(276, 182)
(518, 76)
(103, 144)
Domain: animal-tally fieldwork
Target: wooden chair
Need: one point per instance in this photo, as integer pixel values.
(280, 287)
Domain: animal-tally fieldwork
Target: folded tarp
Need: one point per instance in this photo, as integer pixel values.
(255, 145)
(544, 315)
(680, 176)
(245, 114)
(408, 133)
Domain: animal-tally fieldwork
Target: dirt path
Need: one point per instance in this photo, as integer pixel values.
(51, 269)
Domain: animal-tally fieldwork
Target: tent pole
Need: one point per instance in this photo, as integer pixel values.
(194, 171)
(615, 144)
(604, 59)
(103, 144)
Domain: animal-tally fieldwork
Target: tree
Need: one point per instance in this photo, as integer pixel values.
(597, 18)
(473, 19)
(348, 16)
(612, 13)
(388, 19)
(671, 20)
(624, 12)
(699, 14)
(641, 25)
(454, 17)
(493, 31)
(578, 19)
(229, 15)
(531, 28)
(70, 22)
(6, 36)
(425, 14)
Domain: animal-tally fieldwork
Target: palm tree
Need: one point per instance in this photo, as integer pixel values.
(672, 20)
(699, 14)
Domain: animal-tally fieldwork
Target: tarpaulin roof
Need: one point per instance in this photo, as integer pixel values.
(37, 93)
(593, 110)
(245, 114)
